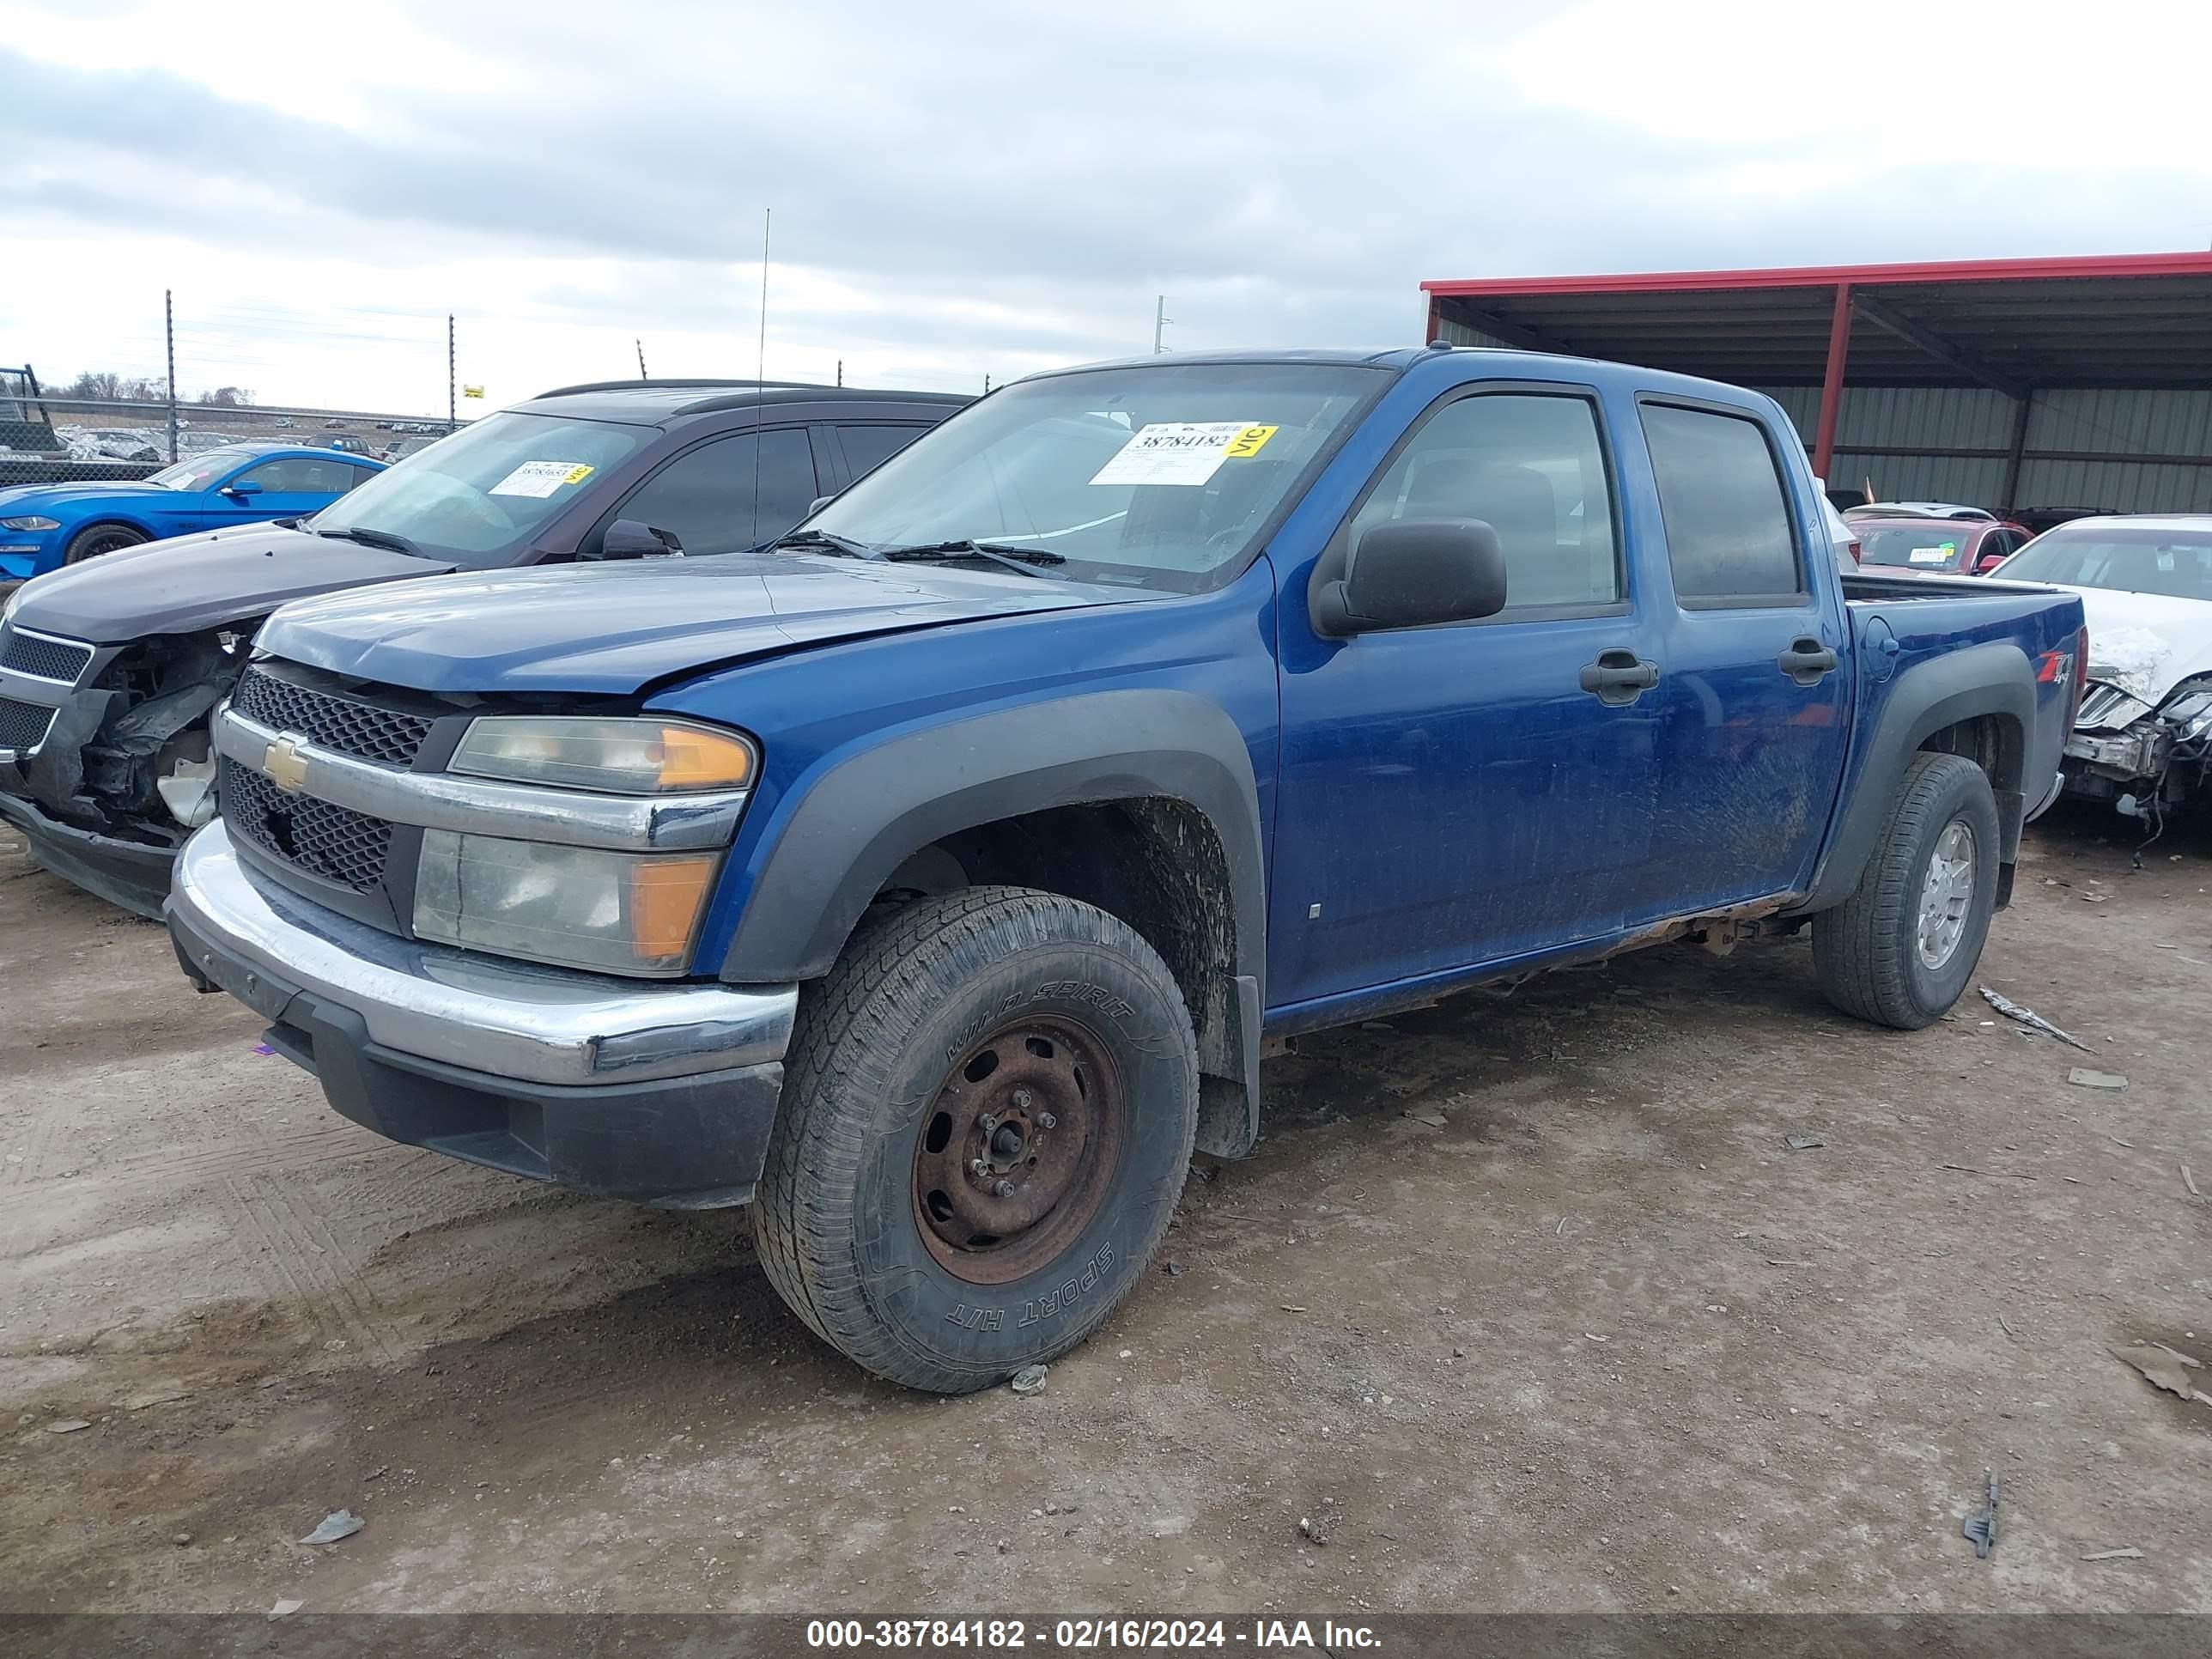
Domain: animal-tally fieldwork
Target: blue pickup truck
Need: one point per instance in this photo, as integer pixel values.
(934, 879)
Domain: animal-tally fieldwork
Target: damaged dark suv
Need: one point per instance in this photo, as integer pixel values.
(109, 670)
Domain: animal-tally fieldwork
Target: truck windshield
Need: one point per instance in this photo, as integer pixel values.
(1153, 476)
(2177, 563)
(478, 496)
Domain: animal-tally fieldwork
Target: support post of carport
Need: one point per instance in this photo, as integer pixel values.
(2018, 450)
(1832, 381)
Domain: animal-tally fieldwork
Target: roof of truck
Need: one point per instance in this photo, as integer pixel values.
(1397, 357)
(654, 401)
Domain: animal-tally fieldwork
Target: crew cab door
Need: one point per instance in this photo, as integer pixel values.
(1467, 793)
(1755, 702)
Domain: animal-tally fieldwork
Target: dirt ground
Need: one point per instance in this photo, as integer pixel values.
(1596, 1340)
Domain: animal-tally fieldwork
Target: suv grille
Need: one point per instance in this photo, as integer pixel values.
(334, 842)
(23, 726)
(389, 735)
(50, 660)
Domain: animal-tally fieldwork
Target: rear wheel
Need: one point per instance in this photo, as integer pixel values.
(95, 539)
(1903, 948)
(987, 1120)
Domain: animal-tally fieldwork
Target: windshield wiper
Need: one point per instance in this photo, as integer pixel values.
(1023, 561)
(384, 539)
(827, 542)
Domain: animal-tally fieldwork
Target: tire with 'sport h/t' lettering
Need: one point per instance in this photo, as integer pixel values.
(987, 1120)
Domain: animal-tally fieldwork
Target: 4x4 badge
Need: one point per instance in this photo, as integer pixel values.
(284, 765)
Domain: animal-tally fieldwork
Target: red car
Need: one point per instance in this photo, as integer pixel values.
(1935, 546)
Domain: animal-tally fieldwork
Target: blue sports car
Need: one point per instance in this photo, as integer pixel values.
(45, 527)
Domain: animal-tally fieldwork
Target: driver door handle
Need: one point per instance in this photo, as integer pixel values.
(1806, 661)
(1618, 676)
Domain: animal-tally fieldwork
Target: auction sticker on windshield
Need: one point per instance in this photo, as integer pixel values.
(540, 478)
(1940, 554)
(1181, 451)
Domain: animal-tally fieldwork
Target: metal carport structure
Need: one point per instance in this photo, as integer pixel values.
(2013, 384)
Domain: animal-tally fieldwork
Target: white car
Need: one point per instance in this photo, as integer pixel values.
(2142, 738)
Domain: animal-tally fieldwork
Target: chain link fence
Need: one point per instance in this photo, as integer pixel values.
(49, 439)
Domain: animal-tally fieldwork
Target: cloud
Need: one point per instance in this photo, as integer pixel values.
(989, 188)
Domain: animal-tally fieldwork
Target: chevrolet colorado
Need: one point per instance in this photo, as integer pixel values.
(935, 878)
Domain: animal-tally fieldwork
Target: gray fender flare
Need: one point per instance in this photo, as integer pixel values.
(1991, 679)
(858, 822)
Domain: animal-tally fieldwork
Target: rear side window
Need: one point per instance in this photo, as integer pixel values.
(867, 448)
(1720, 497)
(707, 496)
(1532, 467)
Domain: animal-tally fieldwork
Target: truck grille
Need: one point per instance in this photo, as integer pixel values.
(2104, 705)
(390, 735)
(23, 726)
(334, 842)
(50, 660)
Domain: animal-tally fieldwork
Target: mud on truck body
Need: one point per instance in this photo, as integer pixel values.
(934, 879)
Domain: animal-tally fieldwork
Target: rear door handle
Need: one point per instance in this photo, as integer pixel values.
(1806, 661)
(1620, 677)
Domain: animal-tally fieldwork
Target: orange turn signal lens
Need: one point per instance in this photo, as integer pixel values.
(666, 898)
(692, 757)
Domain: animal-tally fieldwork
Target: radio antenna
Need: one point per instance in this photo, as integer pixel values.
(760, 366)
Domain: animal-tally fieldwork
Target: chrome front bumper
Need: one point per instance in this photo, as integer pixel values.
(513, 1020)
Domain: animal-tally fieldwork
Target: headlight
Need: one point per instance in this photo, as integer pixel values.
(619, 757)
(32, 523)
(2190, 708)
(620, 913)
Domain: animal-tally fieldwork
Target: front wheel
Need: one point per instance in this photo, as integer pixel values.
(1903, 948)
(987, 1120)
(95, 539)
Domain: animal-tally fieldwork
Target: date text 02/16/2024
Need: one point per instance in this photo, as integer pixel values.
(1084, 1634)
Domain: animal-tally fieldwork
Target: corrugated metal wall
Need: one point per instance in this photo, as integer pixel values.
(2141, 422)
(2137, 422)
(1934, 419)
(1461, 334)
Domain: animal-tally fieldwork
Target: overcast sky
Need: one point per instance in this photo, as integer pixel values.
(962, 189)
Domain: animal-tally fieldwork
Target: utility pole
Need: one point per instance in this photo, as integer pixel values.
(1160, 320)
(641, 360)
(453, 410)
(169, 338)
(987, 385)
(840, 371)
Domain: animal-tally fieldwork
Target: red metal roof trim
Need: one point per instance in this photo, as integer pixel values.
(1960, 271)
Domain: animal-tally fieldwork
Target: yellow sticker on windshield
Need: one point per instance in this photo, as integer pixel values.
(576, 474)
(1248, 443)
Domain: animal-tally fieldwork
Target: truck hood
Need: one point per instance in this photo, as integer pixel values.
(189, 583)
(2146, 643)
(612, 628)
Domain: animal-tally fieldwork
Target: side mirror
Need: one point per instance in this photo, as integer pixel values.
(817, 504)
(629, 538)
(1415, 573)
(1988, 563)
(241, 489)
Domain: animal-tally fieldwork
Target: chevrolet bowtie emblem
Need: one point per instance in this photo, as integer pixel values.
(284, 765)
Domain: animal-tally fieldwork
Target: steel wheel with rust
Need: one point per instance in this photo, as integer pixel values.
(1020, 1149)
(986, 1119)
